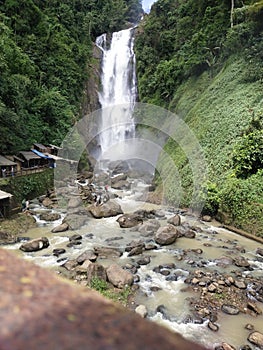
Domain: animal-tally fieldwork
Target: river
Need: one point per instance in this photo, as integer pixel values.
(214, 241)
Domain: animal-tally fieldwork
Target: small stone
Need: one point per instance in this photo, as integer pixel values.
(195, 281)
(249, 327)
(212, 288)
(75, 237)
(141, 310)
(214, 327)
(230, 310)
(259, 251)
(206, 218)
(59, 251)
(240, 284)
(254, 308)
(144, 261)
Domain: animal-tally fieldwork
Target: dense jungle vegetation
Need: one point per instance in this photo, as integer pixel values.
(203, 60)
(45, 58)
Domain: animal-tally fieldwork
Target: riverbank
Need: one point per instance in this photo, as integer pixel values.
(18, 225)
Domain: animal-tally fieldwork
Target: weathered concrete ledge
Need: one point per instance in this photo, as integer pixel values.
(39, 310)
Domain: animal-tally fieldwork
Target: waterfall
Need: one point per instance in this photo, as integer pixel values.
(118, 91)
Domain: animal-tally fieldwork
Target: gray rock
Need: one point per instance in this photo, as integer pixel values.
(141, 310)
(47, 202)
(241, 262)
(230, 310)
(240, 284)
(107, 252)
(95, 270)
(118, 276)
(144, 260)
(60, 228)
(166, 235)
(70, 265)
(256, 338)
(49, 216)
(206, 218)
(129, 220)
(259, 251)
(74, 202)
(117, 178)
(58, 251)
(151, 225)
(121, 185)
(253, 307)
(7, 238)
(108, 209)
(175, 220)
(224, 260)
(214, 327)
(87, 255)
(35, 245)
(76, 221)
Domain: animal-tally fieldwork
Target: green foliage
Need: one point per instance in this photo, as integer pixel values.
(242, 198)
(178, 38)
(45, 59)
(28, 187)
(218, 111)
(101, 286)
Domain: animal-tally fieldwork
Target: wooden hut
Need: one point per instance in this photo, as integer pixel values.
(31, 159)
(5, 204)
(39, 147)
(7, 167)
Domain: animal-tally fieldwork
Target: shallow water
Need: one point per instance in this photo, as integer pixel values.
(222, 243)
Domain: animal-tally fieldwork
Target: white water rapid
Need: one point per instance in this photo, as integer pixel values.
(118, 94)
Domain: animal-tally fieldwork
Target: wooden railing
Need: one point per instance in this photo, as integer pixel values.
(25, 171)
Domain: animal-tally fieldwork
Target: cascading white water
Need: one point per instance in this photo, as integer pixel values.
(118, 94)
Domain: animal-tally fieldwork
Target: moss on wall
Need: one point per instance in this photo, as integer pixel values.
(28, 186)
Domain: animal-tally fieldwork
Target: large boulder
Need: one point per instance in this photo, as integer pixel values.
(166, 235)
(230, 309)
(107, 252)
(87, 255)
(60, 228)
(119, 167)
(108, 209)
(47, 202)
(149, 226)
(121, 185)
(117, 178)
(118, 276)
(7, 238)
(256, 338)
(95, 270)
(129, 220)
(49, 216)
(175, 220)
(35, 245)
(76, 221)
(74, 202)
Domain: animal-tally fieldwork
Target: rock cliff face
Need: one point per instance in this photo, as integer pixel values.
(90, 99)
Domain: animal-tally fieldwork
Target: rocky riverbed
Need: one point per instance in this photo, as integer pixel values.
(161, 254)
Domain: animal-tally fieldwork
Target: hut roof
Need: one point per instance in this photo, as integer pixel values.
(29, 155)
(40, 146)
(4, 195)
(6, 162)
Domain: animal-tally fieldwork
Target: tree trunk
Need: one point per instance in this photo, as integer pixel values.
(232, 13)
